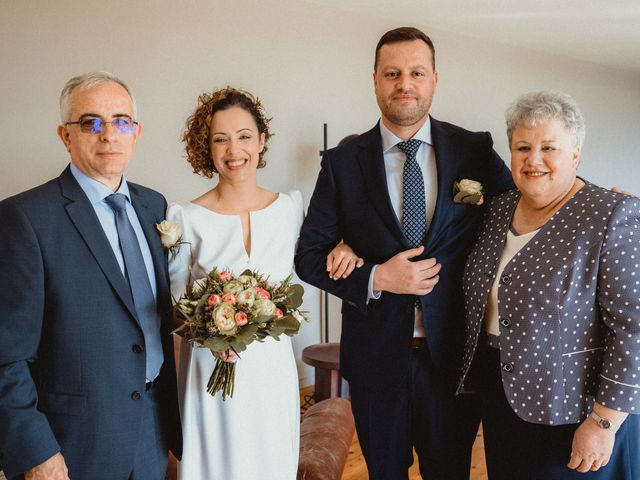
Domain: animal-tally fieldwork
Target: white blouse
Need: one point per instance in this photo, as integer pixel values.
(513, 245)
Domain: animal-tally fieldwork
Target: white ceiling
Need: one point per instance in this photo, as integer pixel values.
(606, 32)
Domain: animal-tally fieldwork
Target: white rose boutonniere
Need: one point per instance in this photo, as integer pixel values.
(468, 191)
(170, 236)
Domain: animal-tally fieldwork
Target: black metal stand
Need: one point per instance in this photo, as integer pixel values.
(325, 294)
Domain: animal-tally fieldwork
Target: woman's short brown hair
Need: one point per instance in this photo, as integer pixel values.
(196, 134)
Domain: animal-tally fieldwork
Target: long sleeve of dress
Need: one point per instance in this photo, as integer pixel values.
(180, 262)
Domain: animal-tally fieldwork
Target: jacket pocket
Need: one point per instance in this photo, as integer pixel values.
(582, 374)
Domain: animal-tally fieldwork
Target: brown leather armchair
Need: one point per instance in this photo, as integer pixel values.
(326, 433)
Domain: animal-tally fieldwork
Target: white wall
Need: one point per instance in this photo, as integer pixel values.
(308, 64)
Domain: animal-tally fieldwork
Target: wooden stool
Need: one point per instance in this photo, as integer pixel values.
(325, 357)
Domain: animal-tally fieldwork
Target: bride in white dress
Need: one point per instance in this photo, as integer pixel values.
(238, 225)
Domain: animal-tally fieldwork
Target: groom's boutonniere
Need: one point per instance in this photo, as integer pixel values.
(170, 236)
(468, 191)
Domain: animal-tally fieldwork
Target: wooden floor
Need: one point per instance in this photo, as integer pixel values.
(355, 468)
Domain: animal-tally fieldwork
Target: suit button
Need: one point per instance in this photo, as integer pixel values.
(505, 279)
(137, 348)
(505, 322)
(409, 308)
(136, 395)
(507, 367)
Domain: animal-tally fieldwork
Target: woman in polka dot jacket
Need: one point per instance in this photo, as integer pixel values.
(553, 312)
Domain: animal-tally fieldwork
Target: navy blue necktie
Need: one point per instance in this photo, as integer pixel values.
(414, 219)
(138, 279)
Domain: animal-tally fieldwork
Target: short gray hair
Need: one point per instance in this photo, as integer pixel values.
(85, 82)
(535, 108)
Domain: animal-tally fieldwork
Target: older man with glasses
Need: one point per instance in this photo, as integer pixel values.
(87, 380)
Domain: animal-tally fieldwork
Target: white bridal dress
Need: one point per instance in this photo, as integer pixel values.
(255, 434)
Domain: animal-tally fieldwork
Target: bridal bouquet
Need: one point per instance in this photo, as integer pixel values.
(225, 313)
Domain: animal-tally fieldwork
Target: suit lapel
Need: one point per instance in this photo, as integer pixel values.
(373, 171)
(84, 218)
(447, 165)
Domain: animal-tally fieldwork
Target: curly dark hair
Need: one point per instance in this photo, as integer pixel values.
(196, 134)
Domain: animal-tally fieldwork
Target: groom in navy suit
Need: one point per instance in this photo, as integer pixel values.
(389, 195)
(87, 378)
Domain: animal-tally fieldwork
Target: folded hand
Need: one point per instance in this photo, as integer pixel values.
(400, 275)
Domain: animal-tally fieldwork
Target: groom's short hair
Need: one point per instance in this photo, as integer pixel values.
(405, 34)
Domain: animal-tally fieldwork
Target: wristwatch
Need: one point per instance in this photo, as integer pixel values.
(601, 421)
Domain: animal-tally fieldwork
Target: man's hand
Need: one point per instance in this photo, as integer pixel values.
(619, 190)
(400, 275)
(52, 469)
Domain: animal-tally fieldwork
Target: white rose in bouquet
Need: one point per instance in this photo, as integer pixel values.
(263, 306)
(234, 287)
(246, 297)
(248, 280)
(224, 318)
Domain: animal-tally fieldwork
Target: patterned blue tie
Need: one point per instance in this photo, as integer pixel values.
(413, 199)
(136, 275)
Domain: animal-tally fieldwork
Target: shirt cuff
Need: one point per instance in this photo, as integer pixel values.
(373, 295)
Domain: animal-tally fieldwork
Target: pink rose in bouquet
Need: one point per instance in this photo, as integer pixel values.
(241, 319)
(263, 293)
(224, 275)
(229, 298)
(214, 300)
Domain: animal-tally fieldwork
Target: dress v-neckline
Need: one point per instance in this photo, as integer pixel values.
(238, 217)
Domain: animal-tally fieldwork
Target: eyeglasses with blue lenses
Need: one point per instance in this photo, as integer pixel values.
(94, 126)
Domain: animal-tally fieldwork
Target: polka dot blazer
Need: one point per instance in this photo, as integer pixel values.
(568, 304)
